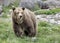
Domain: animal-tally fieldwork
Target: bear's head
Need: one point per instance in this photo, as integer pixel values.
(18, 14)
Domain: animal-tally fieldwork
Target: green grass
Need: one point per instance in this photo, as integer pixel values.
(47, 33)
(44, 11)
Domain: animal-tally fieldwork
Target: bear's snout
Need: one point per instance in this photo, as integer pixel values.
(21, 16)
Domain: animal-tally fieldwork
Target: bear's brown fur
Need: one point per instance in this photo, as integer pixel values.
(24, 22)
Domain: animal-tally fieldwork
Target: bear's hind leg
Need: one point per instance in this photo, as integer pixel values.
(31, 32)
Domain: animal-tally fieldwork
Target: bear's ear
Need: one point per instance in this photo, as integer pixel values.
(23, 8)
(13, 8)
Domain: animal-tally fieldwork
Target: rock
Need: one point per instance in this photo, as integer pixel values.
(38, 17)
(1, 2)
(54, 19)
(43, 5)
(1, 10)
(32, 4)
(50, 16)
(57, 16)
(54, 3)
(6, 2)
(43, 16)
(58, 22)
(43, 19)
(29, 4)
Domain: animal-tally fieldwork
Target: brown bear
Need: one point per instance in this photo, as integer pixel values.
(24, 22)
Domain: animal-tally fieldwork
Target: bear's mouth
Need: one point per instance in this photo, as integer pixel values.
(19, 21)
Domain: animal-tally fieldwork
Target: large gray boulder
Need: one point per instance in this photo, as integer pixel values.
(33, 4)
(29, 4)
(6, 2)
(43, 5)
(53, 3)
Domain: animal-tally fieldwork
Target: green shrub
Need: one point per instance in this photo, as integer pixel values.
(44, 11)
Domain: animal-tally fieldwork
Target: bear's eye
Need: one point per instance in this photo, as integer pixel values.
(21, 12)
(17, 13)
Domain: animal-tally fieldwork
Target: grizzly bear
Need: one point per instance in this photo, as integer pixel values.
(24, 22)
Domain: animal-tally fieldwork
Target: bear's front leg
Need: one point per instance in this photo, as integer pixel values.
(21, 32)
(18, 30)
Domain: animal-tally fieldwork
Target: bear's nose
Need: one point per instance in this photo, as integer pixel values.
(21, 16)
